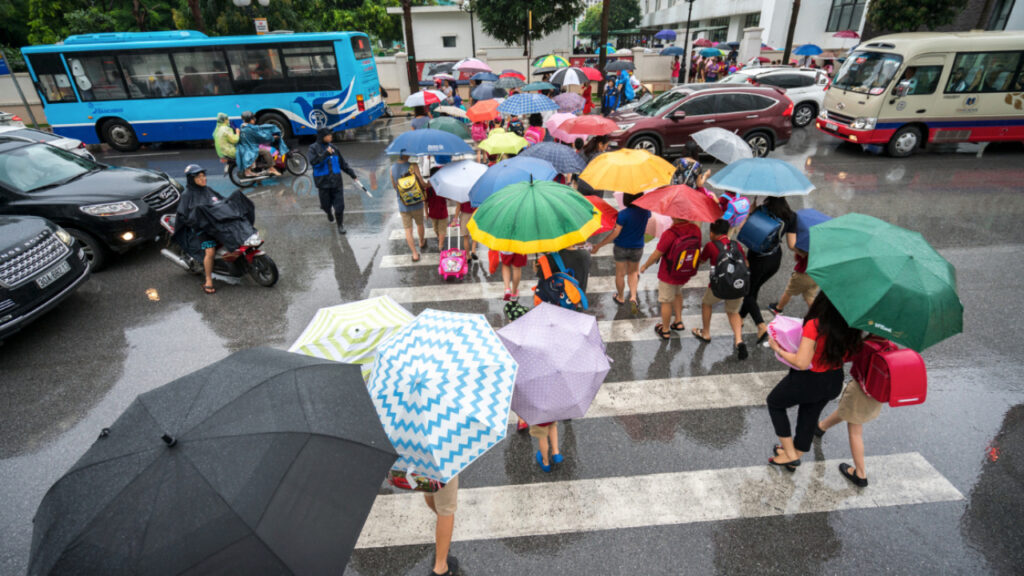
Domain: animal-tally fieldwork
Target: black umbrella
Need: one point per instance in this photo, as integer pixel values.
(618, 65)
(263, 463)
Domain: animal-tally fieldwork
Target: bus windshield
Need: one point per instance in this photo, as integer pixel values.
(867, 72)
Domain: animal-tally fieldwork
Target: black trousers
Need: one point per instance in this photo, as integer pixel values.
(811, 391)
(332, 198)
(762, 268)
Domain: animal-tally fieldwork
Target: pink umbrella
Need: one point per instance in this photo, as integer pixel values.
(555, 121)
(472, 65)
(702, 43)
(846, 34)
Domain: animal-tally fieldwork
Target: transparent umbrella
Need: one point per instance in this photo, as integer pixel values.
(722, 144)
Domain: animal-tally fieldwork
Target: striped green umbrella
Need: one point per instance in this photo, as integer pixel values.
(550, 61)
(450, 125)
(533, 217)
(351, 332)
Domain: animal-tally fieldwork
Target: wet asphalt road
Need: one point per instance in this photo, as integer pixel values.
(144, 322)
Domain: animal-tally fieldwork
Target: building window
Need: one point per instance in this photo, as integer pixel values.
(845, 15)
(718, 29)
(448, 41)
(1000, 14)
(752, 20)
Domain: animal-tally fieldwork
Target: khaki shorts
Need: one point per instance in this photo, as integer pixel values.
(446, 500)
(800, 284)
(440, 227)
(541, 431)
(409, 217)
(856, 407)
(464, 222)
(667, 293)
(731, 306)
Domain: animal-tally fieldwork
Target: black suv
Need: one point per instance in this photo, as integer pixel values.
(106, 208)
(40, 265)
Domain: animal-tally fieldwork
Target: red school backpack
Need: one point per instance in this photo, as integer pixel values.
(680, 262)
(889, 373)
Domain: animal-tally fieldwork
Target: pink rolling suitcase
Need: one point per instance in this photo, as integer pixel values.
(453, 260)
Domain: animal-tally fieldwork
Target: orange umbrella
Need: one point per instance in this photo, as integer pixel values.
(681, 201)
(608, 214)
(483, 111)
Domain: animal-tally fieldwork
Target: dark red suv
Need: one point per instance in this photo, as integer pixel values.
(760, 115)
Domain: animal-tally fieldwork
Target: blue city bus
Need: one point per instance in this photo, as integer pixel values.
(129, 88)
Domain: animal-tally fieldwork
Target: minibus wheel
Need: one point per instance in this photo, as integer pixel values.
(904, 142)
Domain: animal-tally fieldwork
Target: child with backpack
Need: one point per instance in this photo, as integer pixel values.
(437, 212)
(763, 232)
(800, 284)
(678, 250)
(729, 283)
(512, 273)
(735, 209)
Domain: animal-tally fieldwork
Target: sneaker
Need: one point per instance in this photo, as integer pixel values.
(515, 297)
(741, 351)
(508, 296)
(774, 308)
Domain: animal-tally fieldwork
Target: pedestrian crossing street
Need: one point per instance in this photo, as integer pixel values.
(501, 506)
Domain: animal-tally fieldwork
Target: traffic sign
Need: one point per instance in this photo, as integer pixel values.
(261, 26)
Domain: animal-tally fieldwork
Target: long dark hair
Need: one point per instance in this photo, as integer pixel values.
(590, 148)
(780, 208)
(840, 339)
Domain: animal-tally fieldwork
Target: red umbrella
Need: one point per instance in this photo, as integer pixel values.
(846, 34)
(512, 74)
(483, 111)
(703, 43)
(608, 214)
(593, 74)
(681, 201)
(591, 124)
(762, 59)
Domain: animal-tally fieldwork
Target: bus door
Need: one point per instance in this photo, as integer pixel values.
(51, 78)
(917, 96)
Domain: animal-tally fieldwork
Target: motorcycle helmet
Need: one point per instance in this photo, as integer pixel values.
(193, 170)
(247, 116)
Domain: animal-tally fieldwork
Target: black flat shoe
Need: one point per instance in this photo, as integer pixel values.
(791, 465)
(859, 482)
(818, 431)
(741, 351)
(763, 338)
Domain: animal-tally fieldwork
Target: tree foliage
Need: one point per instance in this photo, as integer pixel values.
(508, 20)
(911, 15)
(623, 15)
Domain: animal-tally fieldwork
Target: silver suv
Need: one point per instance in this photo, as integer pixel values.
(804, 86)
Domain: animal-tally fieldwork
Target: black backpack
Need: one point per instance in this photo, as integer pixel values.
(730, 278)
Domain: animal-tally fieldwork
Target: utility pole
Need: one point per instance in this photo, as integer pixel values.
(686, 44)
(410, 48)
(603, 50)
(789, 35)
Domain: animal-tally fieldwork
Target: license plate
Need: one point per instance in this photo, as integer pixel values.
(48, 278)
(831, 126)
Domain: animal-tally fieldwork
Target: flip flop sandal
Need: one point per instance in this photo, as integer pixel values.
(665, 335)
(634, 308)
(696, 334)
(416, 258)
(617, 300)
(678, 327)
(209, 289)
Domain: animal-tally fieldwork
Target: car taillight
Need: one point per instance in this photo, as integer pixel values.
(752, 81)
(360, 103)
(81, 144)
(15, 118)
(828, 82)
(789, 109)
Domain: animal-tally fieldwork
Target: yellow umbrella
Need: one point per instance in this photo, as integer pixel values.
(628, 171)
(501, 142)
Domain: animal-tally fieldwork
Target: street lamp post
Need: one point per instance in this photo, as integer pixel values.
(467, 6)
(689, 59)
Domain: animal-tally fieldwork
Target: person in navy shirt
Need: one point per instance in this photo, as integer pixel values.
(628, 237)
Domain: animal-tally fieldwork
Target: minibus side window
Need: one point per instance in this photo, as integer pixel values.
(984, 72)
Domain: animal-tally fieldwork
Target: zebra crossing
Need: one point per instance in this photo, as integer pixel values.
(496, 506)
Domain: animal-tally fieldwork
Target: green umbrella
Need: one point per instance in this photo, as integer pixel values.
(886, 280)
(534, 217)
(450, 125)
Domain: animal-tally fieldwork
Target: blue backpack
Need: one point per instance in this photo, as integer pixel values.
(558, 287)
(762, 233)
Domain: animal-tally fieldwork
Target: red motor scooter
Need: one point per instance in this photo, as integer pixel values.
(228, 267)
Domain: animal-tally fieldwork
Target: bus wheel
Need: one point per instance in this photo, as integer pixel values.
(120, 136)
(275, 119)
(904, 142)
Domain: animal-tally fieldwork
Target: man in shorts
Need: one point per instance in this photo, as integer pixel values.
(800, 284)
(710, 253)
(443, 503)
(413, 212)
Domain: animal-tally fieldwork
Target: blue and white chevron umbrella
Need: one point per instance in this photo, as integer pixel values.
(519, 104)
(442, 387)
(762, 177)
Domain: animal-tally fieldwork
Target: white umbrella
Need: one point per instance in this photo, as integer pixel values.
(454, 180)
(472, 65)
(451, 111)
(722, 144)
(424, 98)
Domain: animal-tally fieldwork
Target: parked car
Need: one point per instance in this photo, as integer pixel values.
(108, 209)
(41, 264)
(760, 115)
(8, 119)
(805, 87)
(73, 145)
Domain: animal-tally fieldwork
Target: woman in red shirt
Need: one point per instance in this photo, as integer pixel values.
(827, 342)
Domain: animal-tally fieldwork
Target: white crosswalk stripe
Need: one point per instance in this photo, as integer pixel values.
(430, 260)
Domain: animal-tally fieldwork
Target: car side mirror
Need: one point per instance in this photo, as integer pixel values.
(677, 115)
(902, 89)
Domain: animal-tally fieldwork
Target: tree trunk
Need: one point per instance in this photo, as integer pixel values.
(602, 60)
(410, 47)
(983, 15)
(139, 13)
(197, 15)
(789, 34)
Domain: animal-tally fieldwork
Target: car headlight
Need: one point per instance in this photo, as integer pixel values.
(63, 236)
(110, 209)
(861, 123)
(624, 127)
(823, 115)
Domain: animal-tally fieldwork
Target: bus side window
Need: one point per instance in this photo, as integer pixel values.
(203, 73)
(150, 75)
(97, 77)
(256, 70)
(52, 79)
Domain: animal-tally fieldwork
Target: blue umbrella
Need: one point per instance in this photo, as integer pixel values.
(808, 50)
(519, 104)
(487, 92)
(442, 387)
(762, 177)
(733, 44)
(562, 157)
(709, 52)
(428, 142)
(666, 35)
(804, 220)
(484, 76)
(509, 172)
(673, 51)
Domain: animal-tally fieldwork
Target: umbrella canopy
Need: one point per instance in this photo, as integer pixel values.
(846, 34)
(723, 144)
(350, 333)
(264, 462)
(618, 66)
(519, 104)
(562, 157)
(710, 52)
(702, 43)
(762, 177)
(509, 73)
(456, 179)
(554, 123)
(508, 172)
(453, 111)
(450, 125)
(444, 68)
(424, 98)
(570, 77)
(442, 388)
(673, 51)
(623, 52)
(593, 74)
(656, 224)
(609, 215)
(427, 142)
(472, 65)
(681, 201)
(509, 83)
(569, 102)
(499, 141)
(484, 77)
(550, 61)
(808, 50)
(487, 92)
(886, 280)
(539, 86)
(483, 111)
(666, 35)
(627, 170)
(592, 125)
(532, 217)
(805, 219)
(733, 44)
(443, 76)
(766, 48)
(562, 363)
